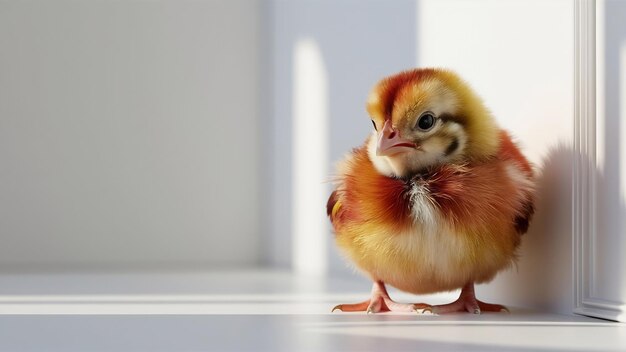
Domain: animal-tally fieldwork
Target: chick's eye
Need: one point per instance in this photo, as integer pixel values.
(374, 123)
(426, 121)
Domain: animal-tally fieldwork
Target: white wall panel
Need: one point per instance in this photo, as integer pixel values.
(610, 263)
(128, 133)
(601, 186)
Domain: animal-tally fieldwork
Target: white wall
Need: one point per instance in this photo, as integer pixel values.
(129, 134)
(608, 268)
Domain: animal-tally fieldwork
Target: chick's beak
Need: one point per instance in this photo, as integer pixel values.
(390, 142)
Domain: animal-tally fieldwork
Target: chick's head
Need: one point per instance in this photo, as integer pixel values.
(427, 117)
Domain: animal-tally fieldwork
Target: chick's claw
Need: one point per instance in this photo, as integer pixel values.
(489, 307)
(382, 305)
(381, 302)
(461, 307)
(467, 302)
(354, 307)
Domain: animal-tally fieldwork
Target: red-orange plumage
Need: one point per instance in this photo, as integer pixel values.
(393, 86)
(443, 215)
(469, 195)
(509, 151)
(478, 194)
(370, 196)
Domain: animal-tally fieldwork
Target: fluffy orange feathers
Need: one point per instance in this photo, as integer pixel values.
(445, 214)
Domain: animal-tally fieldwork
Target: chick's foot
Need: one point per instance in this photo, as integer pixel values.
(467, 302)
(381, 302)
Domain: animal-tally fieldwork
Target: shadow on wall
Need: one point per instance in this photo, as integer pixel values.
(542, 278)
(359, 42)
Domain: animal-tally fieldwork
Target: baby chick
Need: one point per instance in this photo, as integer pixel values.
(437, 197)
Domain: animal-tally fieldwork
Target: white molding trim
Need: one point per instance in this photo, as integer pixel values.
(584, 168)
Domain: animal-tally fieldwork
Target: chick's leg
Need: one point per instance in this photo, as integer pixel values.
(467, 302)
(380, 302)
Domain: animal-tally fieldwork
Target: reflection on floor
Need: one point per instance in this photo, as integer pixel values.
(259, 311)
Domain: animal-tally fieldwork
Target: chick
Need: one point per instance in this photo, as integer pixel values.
(436, 199)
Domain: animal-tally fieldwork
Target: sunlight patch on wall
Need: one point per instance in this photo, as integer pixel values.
(622, 119)
(600, 88)
(309, 158)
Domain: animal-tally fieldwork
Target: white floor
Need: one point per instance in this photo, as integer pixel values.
(259, 311)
